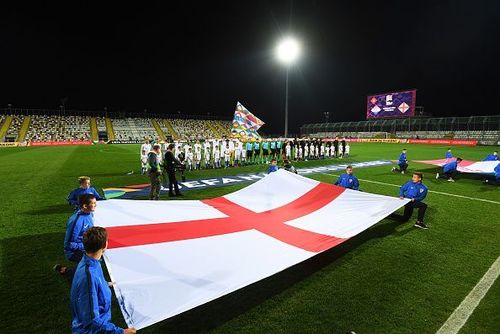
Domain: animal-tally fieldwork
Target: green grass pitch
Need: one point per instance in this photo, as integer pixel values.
(392, 278)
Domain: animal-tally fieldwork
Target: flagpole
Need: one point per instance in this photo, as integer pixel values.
(286, 104)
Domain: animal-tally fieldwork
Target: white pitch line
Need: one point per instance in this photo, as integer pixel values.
(431, 191)
(462, 313)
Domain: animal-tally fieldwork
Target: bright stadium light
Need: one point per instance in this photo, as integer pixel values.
(287, 52)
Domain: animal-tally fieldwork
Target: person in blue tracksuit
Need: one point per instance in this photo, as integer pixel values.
(448, 154)
(84, 188)
(492, 157)
(348, 180)
(76, 226)
(402, 163)
(90, 295)
(450, 169)
(416, 191)
(273, 167)
(495, 181)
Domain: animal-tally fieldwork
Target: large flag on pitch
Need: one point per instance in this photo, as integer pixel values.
(466, 166)
(167, 257)
(245, 124)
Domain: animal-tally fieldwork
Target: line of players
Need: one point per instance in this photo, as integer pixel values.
(225, 153)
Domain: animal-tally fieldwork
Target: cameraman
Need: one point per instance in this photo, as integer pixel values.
(171, 162)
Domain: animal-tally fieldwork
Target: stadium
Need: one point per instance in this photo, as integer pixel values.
(250, 219)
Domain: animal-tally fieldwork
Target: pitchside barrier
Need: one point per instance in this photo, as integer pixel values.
(9, 144)
(410, 141)
(61, 143)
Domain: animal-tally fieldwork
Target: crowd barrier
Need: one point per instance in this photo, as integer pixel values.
(60, 143)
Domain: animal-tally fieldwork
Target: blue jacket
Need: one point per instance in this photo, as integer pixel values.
(413, 190)
(491, 157)
(450, 166)
(91, 300)
(75, 194)
(272, 169)
(77, 224)
(497, 171)
(348, 181)
(448, 155)
(402, 158)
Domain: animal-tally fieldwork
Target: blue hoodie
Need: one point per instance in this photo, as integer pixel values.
(75, 194)
(448, 155)
(77, 224)
(491, 157)
(348, 181)
(91, 300)
(402, 158)
(497, 171)
(450, 166)
(272, 169)
(413, 190)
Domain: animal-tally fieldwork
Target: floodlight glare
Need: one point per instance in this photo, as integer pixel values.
(288, 50)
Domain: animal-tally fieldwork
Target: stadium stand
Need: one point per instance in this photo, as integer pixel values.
(133, 128)
(58, 128)
(193, 129)
(15, 126)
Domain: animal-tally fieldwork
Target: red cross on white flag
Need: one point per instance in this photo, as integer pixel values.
(167, 257)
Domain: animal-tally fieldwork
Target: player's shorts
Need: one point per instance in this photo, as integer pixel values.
(249, 153)
(265, 152)
(273, 151)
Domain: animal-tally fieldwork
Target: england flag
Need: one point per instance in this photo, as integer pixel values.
(167, 257)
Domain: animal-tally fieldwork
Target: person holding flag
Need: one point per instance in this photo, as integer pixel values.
(402, 163)
(273, 167)
(450, 169)
(90, 293)
(492, 157)
(84, 188)
(76, 226)
(348, 180)
(416, 191)
(448, 154)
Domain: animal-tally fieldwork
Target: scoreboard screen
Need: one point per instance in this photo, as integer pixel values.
(393, 105)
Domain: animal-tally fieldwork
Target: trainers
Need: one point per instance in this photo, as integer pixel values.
(421, 225)
(393, 169)
(437, 176)
(451, 180)
(58, 269)
(402, 172)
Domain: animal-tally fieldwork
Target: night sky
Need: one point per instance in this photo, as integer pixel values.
(203, 58)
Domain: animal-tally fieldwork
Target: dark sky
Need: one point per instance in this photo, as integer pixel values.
(200, 58)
